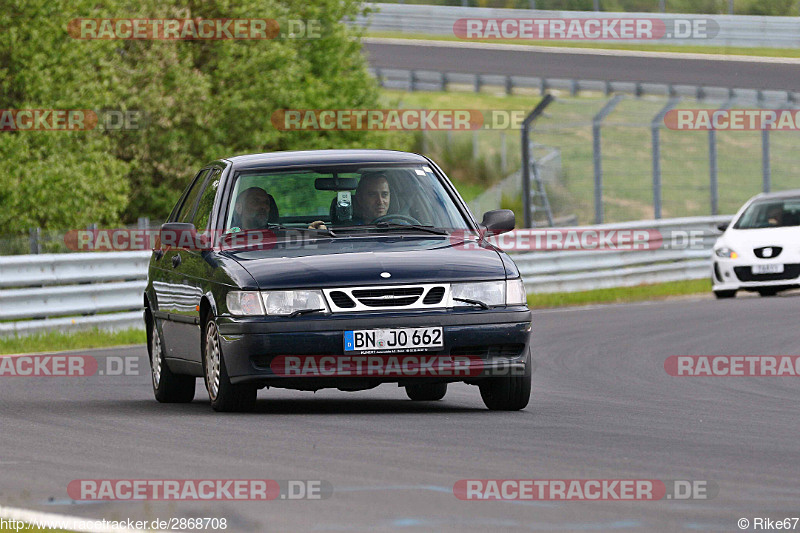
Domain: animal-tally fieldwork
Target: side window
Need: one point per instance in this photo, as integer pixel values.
(185, 213)
(206, 203)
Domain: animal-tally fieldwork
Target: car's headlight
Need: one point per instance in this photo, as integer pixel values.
(245, 303)
(287, 302)
(515, 292)
(488, 292)
(726, 253)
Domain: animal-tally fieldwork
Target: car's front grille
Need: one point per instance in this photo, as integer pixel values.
(388, 297)
(434, 296)
(342, 300)
(391, 297)
(745, 273)
(768, 252)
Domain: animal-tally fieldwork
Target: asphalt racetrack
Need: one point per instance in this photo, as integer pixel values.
(779, 74)
(603, 407)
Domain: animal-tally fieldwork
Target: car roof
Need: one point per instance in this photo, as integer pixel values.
(776, 195)
(323, 157)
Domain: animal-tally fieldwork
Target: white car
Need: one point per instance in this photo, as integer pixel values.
(760, 249)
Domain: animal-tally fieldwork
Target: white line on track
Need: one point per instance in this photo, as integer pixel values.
(584, 51)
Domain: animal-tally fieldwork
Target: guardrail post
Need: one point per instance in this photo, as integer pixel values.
(509, 85)
(412, 81)
(655, 129)
(526, 157)
(35, 241)
(477, 83)
(143, 223)
(597, 157)
(444, 81)
(378, 76)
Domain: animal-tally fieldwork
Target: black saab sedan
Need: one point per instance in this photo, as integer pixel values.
(333, 269)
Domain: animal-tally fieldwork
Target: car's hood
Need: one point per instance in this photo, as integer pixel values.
(756, 238)
(365, 261)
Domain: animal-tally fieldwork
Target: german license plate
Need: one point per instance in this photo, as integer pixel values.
(392, 340)
(774, 268)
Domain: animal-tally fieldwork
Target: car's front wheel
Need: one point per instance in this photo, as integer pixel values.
(426, 392)
(224, 396)
(508, 393)
(167, 387)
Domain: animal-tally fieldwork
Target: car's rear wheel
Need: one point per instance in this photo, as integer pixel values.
(508, 393)
(224, 396)
(721, 295)
(768, 292)
(426, 392)
(167, 387)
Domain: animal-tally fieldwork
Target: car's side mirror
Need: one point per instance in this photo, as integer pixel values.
(182, 235)
(498, 221)
(723, 226)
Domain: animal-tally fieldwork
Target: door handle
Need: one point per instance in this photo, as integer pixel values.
(176, 261)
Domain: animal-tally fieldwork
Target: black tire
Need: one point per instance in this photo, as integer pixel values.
(768, 292)
(722, 295)
(508, 393)
(427, 392)
(167, 386)
(225, 397)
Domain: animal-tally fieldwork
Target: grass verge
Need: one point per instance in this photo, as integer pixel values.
(685, 49)
(58, 341)
(659, 291)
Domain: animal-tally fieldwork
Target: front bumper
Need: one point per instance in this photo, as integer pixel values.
(736, 274)
(500, 337)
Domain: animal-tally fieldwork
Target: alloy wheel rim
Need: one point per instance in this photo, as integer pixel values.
(155, 362)
(212, 361)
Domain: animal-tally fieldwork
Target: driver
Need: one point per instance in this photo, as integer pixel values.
(253, 209)
(775, 215)
(370, 202)
(372, 198)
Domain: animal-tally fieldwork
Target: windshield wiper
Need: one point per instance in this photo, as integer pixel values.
(473, 302)
(303, 312)
(391, 225)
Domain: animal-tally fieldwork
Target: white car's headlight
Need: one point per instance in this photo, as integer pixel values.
(245, 303)
(515, 292)
(288, 302)
(726, 253)
(488, 292)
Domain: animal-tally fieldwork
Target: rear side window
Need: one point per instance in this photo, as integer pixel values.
(187, 209)
(206, 203)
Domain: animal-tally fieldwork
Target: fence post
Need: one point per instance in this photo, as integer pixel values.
(35, 240)
(526, 157)
(655, 130)
(598, 158)
(712, 159)
(503, 152)
(765, 166)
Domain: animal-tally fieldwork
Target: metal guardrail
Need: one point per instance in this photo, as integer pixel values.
(432, 80)
(47, 292)
(734, 30)
(104, 290)
(571, 271)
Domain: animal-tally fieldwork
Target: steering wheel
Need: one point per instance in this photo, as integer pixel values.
(397, 217)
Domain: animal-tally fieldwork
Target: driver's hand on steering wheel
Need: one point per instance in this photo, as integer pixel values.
(317, 224)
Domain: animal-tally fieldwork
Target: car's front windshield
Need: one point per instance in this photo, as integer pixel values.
(774, 213)
(334, 198)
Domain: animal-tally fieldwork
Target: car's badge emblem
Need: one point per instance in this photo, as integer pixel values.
(767, 252)
(385, 275)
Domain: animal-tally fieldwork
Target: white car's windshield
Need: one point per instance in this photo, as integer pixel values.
(775, 213)
(339, 198)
